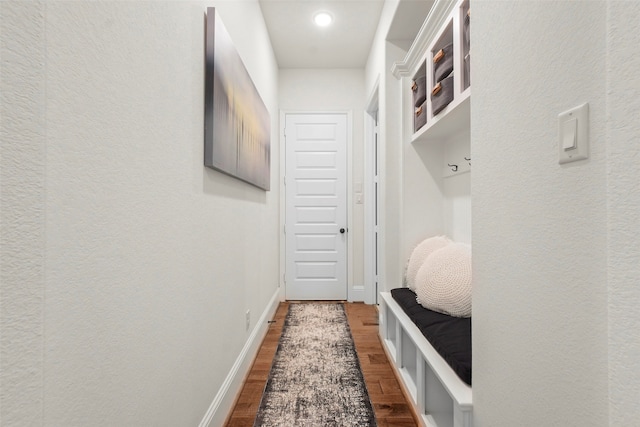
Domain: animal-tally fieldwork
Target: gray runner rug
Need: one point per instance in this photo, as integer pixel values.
(315, 379)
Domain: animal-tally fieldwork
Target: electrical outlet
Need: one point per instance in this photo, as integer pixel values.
(248, 320)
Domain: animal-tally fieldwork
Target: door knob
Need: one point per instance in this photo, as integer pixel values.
(342, 230)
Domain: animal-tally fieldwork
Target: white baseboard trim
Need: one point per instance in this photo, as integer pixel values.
(356, 293)
(225, 398)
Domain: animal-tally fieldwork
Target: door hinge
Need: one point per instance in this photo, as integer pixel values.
(284, 229)
(284, 277)
(284, 179)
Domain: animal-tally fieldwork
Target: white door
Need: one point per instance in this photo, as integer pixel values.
(316, 206)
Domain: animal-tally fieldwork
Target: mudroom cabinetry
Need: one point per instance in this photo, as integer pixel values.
(438, 65)
(436, 158)
(436, 144)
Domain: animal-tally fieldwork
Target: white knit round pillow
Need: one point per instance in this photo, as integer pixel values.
(444, 281)
(419, 254)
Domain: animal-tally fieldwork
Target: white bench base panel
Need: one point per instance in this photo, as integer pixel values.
(437, 393)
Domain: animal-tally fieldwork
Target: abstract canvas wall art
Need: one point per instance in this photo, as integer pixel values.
(237, 123)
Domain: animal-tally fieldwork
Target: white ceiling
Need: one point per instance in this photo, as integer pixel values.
(299, 43)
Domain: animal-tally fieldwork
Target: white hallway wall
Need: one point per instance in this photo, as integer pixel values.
(623, 211)
(556, 249)
(313, 90)
(378, 73)
(127, 266)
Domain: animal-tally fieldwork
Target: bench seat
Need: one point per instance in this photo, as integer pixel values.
(450, 336)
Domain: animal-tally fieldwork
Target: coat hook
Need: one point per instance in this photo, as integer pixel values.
(453, 167)
(468, 160)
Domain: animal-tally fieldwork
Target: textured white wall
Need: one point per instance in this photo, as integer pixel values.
(392, 175)
(334, 90)
(435, 201)
(623, 207)
(127, 266)
(22, 212)
(375, 66)
(377, 71)
(539, 229)
(422, 195)
(456, 188)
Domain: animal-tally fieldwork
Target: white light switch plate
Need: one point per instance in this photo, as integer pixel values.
(568, 130)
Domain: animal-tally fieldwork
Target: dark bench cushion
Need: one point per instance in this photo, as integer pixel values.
(450, 336)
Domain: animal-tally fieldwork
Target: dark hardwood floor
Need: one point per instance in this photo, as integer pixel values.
(389, 402)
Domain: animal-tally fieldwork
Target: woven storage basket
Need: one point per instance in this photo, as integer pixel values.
(467, 71)
(419, 89)
(420, 117)
(466, 33)
(442, 94)
(442, 62)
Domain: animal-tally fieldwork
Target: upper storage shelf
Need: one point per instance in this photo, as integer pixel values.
(437, 69)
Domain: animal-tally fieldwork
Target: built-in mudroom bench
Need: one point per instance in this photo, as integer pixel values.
(434, 367)
(439, 395)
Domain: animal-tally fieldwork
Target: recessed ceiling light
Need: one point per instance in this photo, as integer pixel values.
(323, 19)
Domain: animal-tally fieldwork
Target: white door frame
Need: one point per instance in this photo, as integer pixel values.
(283, 205)
(370, 259)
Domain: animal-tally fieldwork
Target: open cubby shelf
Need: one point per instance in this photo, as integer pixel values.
(444, 66)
